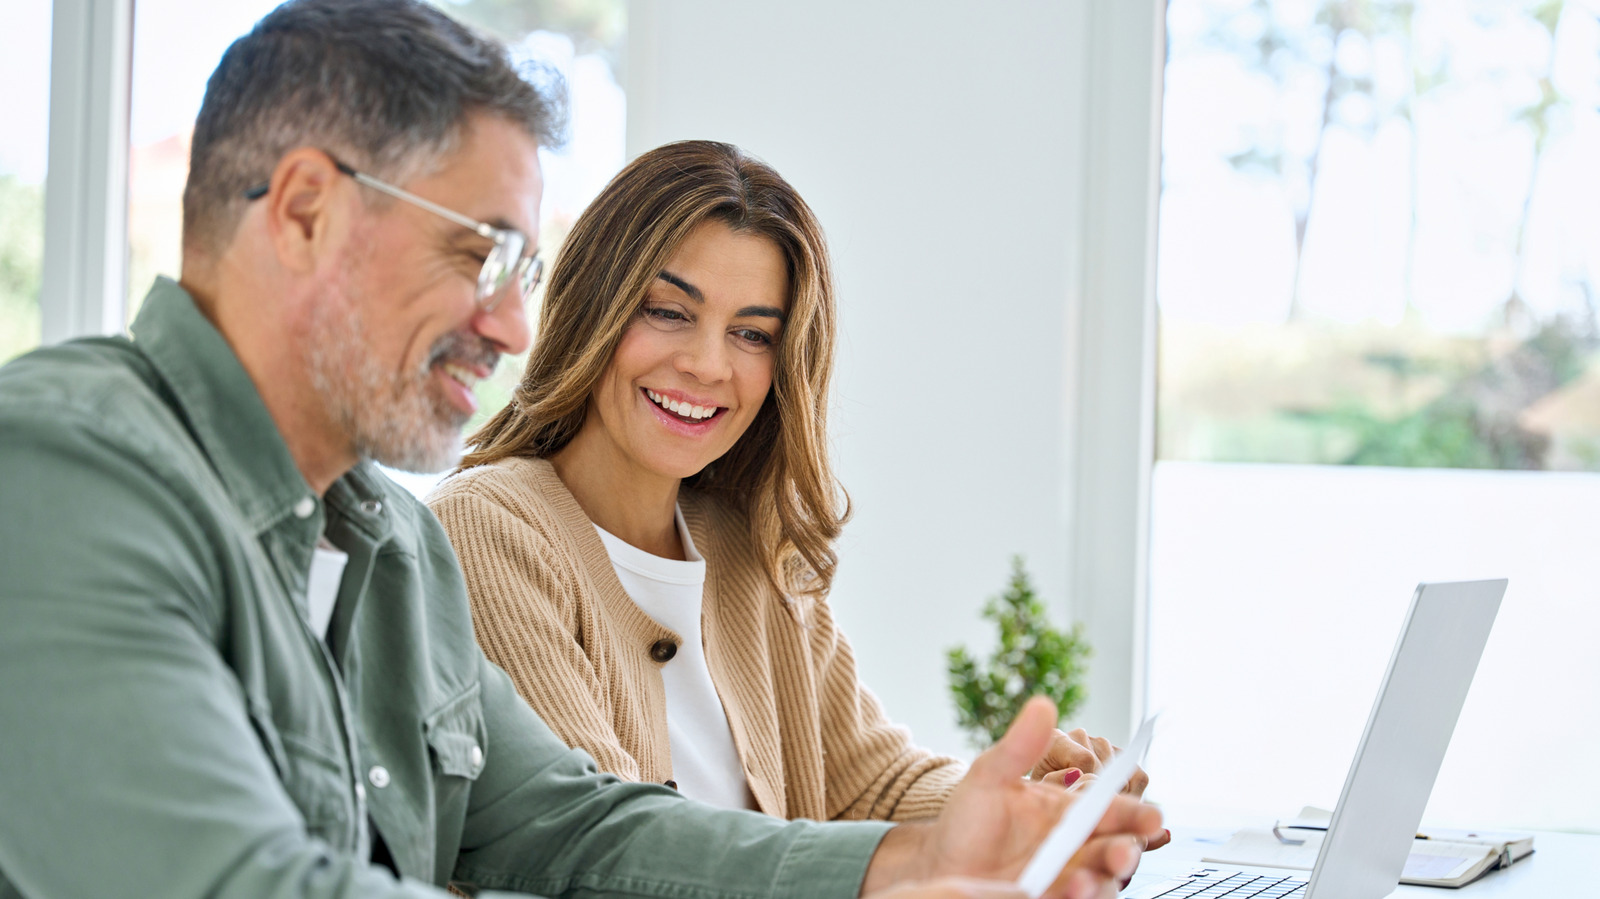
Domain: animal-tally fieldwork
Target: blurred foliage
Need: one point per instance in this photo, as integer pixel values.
(1445, 435)
(1320, 393)
(21, 259)
(1033, 659)
(1478, 422)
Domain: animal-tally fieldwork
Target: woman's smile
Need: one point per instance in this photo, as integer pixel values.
(683, 407)
(682, 416)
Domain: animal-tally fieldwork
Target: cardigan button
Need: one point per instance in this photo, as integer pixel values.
(672, 783)
(663, 650)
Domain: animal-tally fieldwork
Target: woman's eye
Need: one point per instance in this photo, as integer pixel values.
(751, 335)
(660, 313)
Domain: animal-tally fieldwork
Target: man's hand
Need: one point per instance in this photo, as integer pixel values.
(954, 888)
(995, 820)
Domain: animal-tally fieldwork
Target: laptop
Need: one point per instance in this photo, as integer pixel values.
(1396, 762)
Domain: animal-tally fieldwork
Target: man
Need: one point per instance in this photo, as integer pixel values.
(235, 660)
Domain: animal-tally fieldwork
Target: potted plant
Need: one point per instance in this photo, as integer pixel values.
(1033, 658)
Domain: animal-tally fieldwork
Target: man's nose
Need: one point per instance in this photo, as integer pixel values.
(506, 325)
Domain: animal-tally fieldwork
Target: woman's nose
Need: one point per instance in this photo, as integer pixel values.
(706, 359)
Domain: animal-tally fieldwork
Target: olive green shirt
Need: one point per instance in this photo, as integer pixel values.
(171, 725)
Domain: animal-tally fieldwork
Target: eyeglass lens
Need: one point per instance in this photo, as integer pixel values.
(504, 262)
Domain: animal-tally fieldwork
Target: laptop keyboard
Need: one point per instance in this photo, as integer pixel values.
(1214, 883)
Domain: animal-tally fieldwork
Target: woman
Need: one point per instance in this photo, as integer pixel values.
(647, 529)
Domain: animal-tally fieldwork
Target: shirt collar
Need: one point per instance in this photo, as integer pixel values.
(225, 412)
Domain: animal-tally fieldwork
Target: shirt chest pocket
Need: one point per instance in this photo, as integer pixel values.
(457, 742)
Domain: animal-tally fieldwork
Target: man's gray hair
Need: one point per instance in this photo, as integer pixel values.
(386, 85)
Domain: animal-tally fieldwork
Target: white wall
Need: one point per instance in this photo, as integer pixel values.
(944, 146)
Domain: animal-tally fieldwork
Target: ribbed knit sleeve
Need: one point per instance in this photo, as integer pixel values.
(873, 768)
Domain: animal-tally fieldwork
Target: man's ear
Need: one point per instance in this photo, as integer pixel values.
(304, 215)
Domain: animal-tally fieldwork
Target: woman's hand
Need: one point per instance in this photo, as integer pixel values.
(1072, 761)
(995, 820)
(1088, 755)
(1076, 749)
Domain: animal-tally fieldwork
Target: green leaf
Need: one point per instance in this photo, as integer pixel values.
(1032, 658)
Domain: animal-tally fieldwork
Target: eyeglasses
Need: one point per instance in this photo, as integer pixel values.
(504, 263)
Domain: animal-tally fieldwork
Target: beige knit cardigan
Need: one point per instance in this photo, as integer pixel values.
(548, 608)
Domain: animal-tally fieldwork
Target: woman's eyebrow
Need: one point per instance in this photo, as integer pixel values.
(693, 291)
(764, 311)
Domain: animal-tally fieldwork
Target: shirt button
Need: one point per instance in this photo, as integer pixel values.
(663, 650)
(361, 792)
(372, 507)
(305, 507)
(477, 757)
(378, 776)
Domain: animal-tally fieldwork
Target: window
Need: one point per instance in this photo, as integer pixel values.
(176, 45)
(1379, 363)
(25, 65)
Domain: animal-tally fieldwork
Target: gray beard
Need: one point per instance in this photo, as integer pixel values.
(389, 419)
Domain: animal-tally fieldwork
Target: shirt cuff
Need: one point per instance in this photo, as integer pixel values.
(828, 860)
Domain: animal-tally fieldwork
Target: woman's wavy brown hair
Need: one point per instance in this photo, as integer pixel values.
(778, 472)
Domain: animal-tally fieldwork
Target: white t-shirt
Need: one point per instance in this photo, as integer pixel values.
(705, 763)
(322, 585)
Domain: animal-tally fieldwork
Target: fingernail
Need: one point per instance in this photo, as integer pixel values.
(1070, 777)
(1167, 832)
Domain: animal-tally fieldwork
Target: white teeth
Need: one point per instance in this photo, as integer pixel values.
(684, 409)
(464, 375)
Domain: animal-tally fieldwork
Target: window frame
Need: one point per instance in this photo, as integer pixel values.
(1113, 418)
(83, 284)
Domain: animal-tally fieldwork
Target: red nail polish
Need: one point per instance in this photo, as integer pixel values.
(1070, 777)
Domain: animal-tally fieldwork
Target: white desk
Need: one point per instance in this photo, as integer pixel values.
(1563, 866)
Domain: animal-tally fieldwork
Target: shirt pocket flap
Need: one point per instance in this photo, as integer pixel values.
(456, 734)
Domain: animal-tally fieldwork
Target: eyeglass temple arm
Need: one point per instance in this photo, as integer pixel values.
(486, 230)
(481, 228)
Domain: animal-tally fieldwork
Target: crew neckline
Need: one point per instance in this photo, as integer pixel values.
(650, 565)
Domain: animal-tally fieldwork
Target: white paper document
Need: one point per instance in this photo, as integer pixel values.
(1084, 815)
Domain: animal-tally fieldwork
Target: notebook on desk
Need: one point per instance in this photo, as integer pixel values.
(1439, 857)
(1396, 762)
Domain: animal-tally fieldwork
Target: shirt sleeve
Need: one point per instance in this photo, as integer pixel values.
(872, 767)
(593, 834)
(130, 764)
(517, 593)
